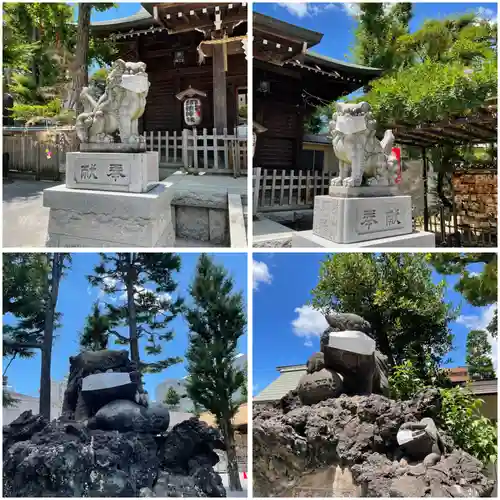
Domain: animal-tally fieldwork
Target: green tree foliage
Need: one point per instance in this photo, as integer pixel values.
(172, 398)
(460, 413)
(39, 57)
(95, 334)
(479, 289)
(395, 293)
(216, 322)
(146, 307)
(478, 358)
(379, 28)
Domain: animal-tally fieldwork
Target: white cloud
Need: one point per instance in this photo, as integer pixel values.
(306, 9)
(480, 322)
(309, 323)
(261, 274)
(488, 15)
(353, 10)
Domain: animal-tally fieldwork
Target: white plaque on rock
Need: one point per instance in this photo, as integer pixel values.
(352, 220)
(125, 172)
(352, 341)
(99, 381)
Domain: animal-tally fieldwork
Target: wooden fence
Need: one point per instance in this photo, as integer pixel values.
(168, 144)
(280, 190)
(193, 149)
(41, 154)
(216, 153)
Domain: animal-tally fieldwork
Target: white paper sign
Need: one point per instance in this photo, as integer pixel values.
(352, 341)
(350, 124)
(135, 83)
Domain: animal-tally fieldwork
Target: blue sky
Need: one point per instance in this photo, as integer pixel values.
(285, 329)
(75, 301)
(338, 22)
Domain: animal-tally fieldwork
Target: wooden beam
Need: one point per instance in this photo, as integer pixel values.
(220, 88)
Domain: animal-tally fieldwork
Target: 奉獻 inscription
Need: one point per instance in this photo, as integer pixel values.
(88, 172)
(115, 171)
(392, 217)
(369, 219)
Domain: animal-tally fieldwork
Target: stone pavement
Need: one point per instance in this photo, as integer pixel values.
(25, 220)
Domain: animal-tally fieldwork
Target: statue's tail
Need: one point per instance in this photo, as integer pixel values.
(387, 142)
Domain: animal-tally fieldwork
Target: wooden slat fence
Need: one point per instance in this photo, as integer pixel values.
(280, 190)
(216, 153)
(39, 154)
(167, 143)
(194, 149)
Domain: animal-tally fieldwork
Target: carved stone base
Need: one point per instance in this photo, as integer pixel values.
(125, 172)
(112, 147)
(352, 220)
(363, 191)
(84, 218)
(420, 239)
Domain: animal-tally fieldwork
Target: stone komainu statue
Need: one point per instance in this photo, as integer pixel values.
(334, 371)
(118, 109)
(370, 161)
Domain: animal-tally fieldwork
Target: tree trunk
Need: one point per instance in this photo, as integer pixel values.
(232, 463)
(34, 65)
(81, 77)
(48, 333)
(132, 316)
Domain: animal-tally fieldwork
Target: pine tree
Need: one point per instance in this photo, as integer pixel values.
(172, 398)
(145, 307)
(216, 321)
(36, 311)
(95, 335)
(478, 358)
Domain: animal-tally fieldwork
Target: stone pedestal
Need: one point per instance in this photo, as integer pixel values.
(90, 218)
(345, 219)
(420, 239)
(123, 172)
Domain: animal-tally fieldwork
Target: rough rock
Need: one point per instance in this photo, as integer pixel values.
(357, 432)
(125, 416)
(68, 459)
(190, 437)
(22, 429)
(315, 387)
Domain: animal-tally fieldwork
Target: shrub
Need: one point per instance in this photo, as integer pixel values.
(459, 416)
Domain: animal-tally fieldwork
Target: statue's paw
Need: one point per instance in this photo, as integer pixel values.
(352, 182)
(336, 181)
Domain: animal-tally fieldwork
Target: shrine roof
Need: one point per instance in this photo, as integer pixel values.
(140, 19)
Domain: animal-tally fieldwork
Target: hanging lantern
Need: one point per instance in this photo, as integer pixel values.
(179, 57)
(192, 111)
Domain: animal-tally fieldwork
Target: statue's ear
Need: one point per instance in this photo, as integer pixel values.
(365, 107)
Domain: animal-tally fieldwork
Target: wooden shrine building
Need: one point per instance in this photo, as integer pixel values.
(287, 80)
(197, 68)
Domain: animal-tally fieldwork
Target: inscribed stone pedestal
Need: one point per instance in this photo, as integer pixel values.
(124, 172)
(346, 220)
